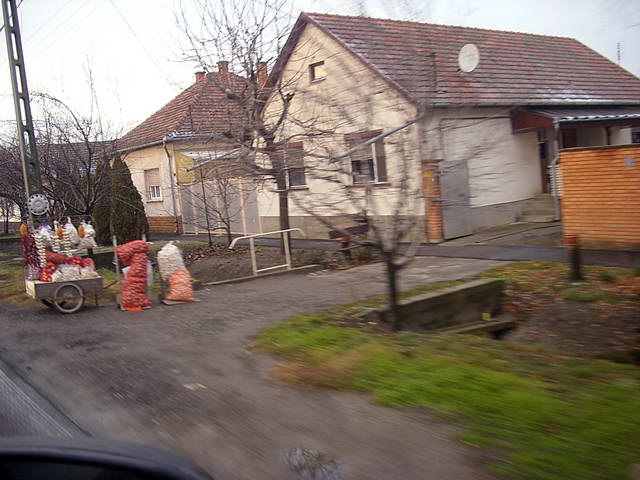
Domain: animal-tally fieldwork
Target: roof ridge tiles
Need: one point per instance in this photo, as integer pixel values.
(495, 30)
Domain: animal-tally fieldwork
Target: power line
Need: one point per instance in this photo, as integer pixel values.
(48, 45)
(41, 27)
(166, 77)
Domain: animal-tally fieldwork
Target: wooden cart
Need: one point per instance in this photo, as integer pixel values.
(66, 296)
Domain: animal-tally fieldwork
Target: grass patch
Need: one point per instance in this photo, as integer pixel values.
(554, 417)
(607, 277)
(551, 280)
(11, 280)
(584, 293)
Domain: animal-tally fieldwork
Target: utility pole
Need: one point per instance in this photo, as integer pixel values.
(36, 202)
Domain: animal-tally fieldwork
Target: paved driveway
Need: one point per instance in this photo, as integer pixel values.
(182, 378)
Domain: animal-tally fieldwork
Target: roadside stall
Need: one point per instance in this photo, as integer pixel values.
(56, 273)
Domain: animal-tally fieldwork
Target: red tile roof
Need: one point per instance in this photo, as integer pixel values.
(202, 110)
(421, 60)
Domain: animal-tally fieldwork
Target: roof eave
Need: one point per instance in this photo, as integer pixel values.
(168, 138)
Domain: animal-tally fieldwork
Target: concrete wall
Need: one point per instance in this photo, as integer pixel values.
(350, 99)
(600, 201)
(449, 307)
(620, 136)
(503, 168)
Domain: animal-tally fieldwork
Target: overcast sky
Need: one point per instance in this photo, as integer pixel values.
(133, 46)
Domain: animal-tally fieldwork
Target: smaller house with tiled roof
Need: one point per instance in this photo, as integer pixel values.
(199, 123)
(488, 126)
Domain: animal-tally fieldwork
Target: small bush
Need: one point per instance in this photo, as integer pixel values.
(607, 277)
(584, 293)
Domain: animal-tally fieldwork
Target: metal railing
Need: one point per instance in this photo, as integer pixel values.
(252, 248)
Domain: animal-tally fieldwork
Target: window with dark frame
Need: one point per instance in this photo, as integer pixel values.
(294, 161)
(297, 177)
(317, 71)
(368, 163)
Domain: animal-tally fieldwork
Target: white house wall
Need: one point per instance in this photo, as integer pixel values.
(160, 213)
(350, 99)
(503, 168)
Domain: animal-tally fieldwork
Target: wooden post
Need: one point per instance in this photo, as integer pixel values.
(575, 259)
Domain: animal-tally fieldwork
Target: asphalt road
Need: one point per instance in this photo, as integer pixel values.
(182, 378)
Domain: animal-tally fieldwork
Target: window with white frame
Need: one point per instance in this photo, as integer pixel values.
(368, 163)
(153, 184)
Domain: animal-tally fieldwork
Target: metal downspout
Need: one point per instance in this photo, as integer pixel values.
(554, 173)
(171, 182)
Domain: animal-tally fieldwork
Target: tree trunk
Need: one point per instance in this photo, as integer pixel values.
(283, 197)
(227, 229)
(394, 294)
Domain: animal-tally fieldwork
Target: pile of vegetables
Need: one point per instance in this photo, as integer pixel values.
(172, 269)
(133, 293)
(47, 252)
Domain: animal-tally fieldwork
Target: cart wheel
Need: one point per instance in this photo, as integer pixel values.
(68, 298)
(48, 303)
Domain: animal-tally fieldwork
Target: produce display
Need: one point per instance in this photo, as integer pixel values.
(133, 293)
(30, 255)
(70, 233)
(48, 257)
(63, 268)
(46, 253)
(87, 236)
(56, 237)
(172, 268)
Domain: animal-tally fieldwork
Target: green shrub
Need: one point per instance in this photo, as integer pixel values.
(607, 277)
(584, 293)
(128, 218)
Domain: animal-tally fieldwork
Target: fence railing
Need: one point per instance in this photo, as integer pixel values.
(252, 248)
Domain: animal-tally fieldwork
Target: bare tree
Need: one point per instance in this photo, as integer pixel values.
(11, 184)
(73, 148)
(244, 39)
(7, 212)
(217, 196)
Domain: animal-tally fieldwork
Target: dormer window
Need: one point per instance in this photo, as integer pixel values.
(317, 71)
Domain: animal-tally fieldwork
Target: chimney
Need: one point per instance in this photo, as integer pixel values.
(223, 66)
(199, 76)
(263, 74)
